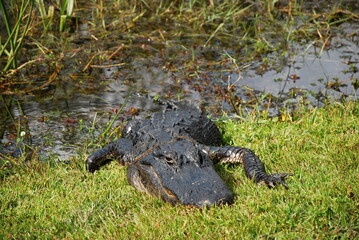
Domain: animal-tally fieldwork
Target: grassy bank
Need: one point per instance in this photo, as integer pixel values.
(320, 146)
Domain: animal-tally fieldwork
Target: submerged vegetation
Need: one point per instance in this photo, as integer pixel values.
(246, 30)
(320, 145)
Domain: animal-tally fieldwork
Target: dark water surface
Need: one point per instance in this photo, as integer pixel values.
(59, 120)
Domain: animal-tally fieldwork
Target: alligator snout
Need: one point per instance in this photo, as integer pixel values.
(190, 184)
(201, 187)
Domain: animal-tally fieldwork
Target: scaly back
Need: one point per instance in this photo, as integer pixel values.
(181, 121)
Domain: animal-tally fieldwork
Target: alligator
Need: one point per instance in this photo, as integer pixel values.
(172, 155)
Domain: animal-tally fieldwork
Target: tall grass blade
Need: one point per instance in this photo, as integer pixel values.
(109, 125)
(15, 36)
(46, 17)
(65, 11)
(70, 7)
(214, 33)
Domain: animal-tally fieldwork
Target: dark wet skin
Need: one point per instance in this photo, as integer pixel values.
(172, 155)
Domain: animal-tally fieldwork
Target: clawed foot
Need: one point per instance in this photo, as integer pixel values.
(93, 164)
(277, 178)
(90, 165)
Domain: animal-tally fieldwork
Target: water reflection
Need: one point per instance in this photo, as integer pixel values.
(331, 72)
(59, 119)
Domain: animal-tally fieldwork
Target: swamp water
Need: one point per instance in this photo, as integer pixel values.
(64, 116)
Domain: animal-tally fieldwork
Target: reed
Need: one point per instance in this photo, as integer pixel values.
(15, 32)
(66, 9)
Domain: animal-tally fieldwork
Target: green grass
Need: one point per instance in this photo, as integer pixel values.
(321, 146)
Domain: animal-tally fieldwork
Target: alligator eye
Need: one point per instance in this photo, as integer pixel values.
(170, 161)
(201, 158)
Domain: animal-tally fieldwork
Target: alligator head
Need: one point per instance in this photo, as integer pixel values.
(180, 172)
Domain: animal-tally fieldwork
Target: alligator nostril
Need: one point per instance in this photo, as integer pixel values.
(201, 160)
(205, 203)
(225, 200)
(170, 161)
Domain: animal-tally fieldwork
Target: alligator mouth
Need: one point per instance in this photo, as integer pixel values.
(145, 179)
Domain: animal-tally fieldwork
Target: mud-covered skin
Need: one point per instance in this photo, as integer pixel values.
(172, 155)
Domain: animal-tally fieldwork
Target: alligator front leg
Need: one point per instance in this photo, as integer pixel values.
(115, 150)
(253, 166)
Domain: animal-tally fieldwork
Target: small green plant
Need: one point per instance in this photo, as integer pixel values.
(48, 16)
(20, 142)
